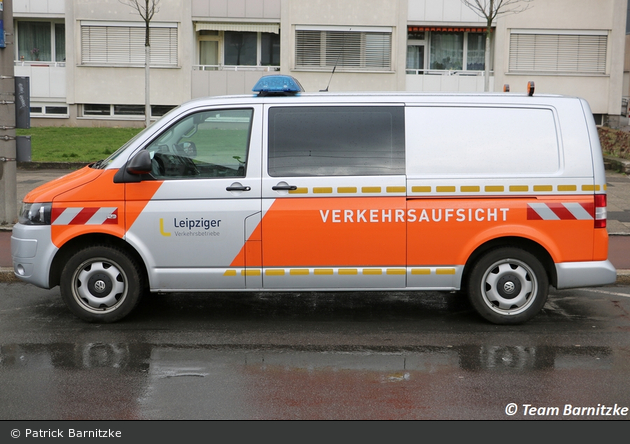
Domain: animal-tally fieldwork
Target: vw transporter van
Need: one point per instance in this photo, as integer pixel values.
(497, 195)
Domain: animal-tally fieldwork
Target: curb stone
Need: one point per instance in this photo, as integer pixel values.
(51, 165)
(617, 164)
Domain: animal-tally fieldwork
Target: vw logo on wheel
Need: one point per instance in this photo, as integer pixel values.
(509, 287)
(99, 286)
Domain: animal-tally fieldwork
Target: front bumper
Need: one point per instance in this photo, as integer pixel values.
(32, 252)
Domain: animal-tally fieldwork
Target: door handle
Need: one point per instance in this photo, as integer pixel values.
(238, 188)
(284, 187)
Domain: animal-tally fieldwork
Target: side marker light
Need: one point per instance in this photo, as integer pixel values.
(530, 88)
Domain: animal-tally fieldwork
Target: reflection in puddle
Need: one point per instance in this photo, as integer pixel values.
(150, 381)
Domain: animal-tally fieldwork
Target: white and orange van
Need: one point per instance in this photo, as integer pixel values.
(499, 195)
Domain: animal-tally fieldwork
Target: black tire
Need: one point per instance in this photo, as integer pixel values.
(508, 286)
(101, 284)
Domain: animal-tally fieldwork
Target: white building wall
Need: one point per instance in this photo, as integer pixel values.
(604, 91)
(174, 85)
(236, 9)
(125, 85)
(25, 7)
(440, 11)
(378, 13)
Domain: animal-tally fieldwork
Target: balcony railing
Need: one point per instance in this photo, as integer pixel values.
(235, 68)
(39, 63)
(47, 79)
(437, 80)
(446, 72)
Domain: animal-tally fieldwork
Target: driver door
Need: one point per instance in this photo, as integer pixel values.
(206, 171)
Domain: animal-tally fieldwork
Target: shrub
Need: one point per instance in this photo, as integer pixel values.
(614, 142)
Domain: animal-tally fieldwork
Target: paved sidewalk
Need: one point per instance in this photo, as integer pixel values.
(618, 216)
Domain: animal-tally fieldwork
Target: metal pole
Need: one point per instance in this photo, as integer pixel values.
(8, 155)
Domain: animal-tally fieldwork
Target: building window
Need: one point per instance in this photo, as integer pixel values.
(447, 51)
(269, 49)
(476, 51)
(457, 51)
(101, 110)
(209, 54)
(123, 44)
(235, 48)
(49, 110)
(41, 41)
(356, 49)
(60, 42)
(580, 52)
(450, 49)
(415, 52)
(96, 110)
(240, 48)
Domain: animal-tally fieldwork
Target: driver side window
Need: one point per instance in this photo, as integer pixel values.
(206, 144)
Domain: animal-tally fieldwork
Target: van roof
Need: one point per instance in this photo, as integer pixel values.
(381, 97)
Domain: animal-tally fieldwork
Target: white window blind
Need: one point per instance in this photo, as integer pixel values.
(344, 49)
(124, 45)
(558, 53)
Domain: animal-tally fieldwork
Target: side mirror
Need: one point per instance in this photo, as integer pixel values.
(140, 163)
(136, 167)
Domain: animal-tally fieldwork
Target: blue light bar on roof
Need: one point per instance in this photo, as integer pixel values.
(277, 84)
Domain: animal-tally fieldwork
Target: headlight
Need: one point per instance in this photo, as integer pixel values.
(35, 213)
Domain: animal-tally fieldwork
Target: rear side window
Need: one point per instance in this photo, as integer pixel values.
(487, 141)
(336, 141)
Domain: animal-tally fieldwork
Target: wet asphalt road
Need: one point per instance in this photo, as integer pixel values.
(313, 356)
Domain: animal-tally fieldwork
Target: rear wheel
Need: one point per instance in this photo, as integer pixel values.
(508, 286)
(101, 284)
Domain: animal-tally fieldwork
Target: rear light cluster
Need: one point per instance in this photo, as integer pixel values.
(600, 211)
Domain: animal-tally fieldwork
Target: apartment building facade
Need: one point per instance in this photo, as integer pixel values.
(85, 59)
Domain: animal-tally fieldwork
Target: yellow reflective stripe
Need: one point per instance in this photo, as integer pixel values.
(302, 190)
(322, 190)
(324, 271)
(274, 272)
(450, 189)
(349, 190)
(494, 188)
(567, 188)
(421, 189)
(250, 272)
(590, 187)
(397, 271)
(299, 271)
(519, 188)
(445, 189)
(348, 271)
(372, 271)
(470, 189)
(340, 271)
(543, 188)
(371, 189)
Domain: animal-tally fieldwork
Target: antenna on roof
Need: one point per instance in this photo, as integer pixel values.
(331, 76)
(343, 45)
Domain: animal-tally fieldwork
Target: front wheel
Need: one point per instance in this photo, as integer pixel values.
(508, 286)
(101, 284)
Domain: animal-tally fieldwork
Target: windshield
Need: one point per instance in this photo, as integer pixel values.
(102, 164)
